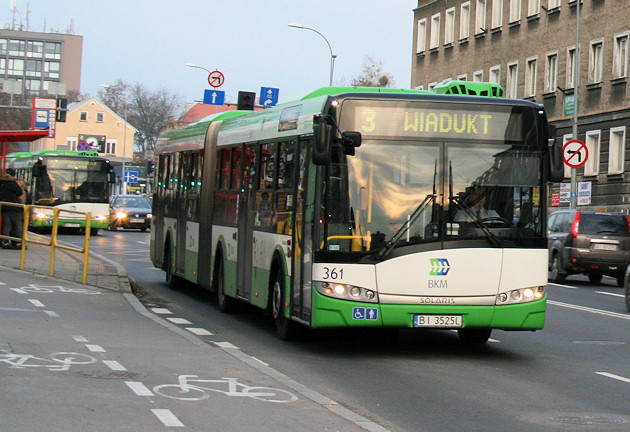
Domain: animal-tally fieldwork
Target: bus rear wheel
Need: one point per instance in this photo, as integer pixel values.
(286, 329)
(474, 335)
(226, 303)
(172, 281)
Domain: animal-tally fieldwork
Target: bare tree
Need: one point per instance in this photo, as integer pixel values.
(147, 110)
(372, 74)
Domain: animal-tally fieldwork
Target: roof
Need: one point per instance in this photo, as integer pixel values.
(77, 105)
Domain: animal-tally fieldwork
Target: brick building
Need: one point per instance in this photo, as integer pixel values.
(529, 48)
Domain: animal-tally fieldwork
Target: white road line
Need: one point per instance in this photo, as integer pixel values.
(163, 311)
(199, 331)
(226, 345)
(259, 360)
(52, 314)
(114, 365)
(563, 286)
(79, 338)
(616, 377)
(36, 303)
(95, 348)
(590, 310)
(19, 291)
(167, 418)
(178, 320)
(610, 294)
(139, 389)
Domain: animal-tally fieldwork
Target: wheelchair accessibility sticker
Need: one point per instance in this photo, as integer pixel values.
(361, 313)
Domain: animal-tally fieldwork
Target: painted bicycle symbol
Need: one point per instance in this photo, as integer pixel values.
(60, 361)
(186, 390)
(46, 289)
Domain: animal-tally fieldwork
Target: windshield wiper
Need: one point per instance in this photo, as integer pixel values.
(387, 249)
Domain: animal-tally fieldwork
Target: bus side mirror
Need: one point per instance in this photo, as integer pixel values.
(556, 161)
(349, 141)
(322, 133)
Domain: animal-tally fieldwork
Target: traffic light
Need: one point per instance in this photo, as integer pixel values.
(150, 165)
(62, 109)
(246, 100)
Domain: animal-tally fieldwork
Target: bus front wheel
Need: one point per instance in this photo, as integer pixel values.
(285, 328)
(474, 335)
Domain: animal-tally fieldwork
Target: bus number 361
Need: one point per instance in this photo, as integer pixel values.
(332, 273)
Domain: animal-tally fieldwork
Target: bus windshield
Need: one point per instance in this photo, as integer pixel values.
(400, 191)
(61, 183)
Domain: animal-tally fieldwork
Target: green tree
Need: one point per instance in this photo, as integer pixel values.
(372, 74)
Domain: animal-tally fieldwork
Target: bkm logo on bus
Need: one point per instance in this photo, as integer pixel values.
(439, 267)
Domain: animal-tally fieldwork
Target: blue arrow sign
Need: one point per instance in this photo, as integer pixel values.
(213, 97)
(131, 176)
(269, 96)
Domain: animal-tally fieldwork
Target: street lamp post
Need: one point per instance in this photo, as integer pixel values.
(192, 65)
(124, 182)
(332, 56)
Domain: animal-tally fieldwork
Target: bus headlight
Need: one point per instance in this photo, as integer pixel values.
(522, 295)
(346, 292)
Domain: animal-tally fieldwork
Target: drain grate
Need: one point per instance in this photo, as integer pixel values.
(109, 374)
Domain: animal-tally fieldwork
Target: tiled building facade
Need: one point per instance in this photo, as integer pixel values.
(529, 48)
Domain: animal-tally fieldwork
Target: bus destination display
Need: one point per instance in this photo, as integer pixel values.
(439, 122)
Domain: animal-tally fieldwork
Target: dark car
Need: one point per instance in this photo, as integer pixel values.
(129, 212)
(591, 243)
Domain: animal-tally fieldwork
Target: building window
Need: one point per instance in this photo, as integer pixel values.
(480, 17)
(551, 72)
(620, 56)
(432, 85)
(110, 146)
(33, 68)
(617, 150)
(553, 4)
(530, 77)
(16, 67)
(421, 42)
(533, 7)
(497, 14)
(462, 77)
(449, 27)
(71, 142)
(435, 32)
(53, 50)
(34, 49)
(591, 167)
(478, 76)
(515, 11)
(595, 61)
(100, 117)
(3, 47)
(16, 47)
(570, 67)
(464, 21)
(51, 70)
(512, 80)
(495, 74)
(83, 116)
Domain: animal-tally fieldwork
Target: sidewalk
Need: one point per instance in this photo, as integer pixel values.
(91, 357)
(102, 272)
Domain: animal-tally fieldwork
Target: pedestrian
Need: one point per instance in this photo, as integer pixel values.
(12, 216)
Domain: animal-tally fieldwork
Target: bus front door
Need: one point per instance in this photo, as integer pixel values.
(245, 224)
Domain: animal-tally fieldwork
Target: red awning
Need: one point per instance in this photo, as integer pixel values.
(22, 135)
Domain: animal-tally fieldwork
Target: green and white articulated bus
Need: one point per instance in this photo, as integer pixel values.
(70, 180)
(354, 207)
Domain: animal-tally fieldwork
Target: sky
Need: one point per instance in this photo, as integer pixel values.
(248, 41)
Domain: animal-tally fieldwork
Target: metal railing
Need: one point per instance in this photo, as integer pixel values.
(52, 242)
